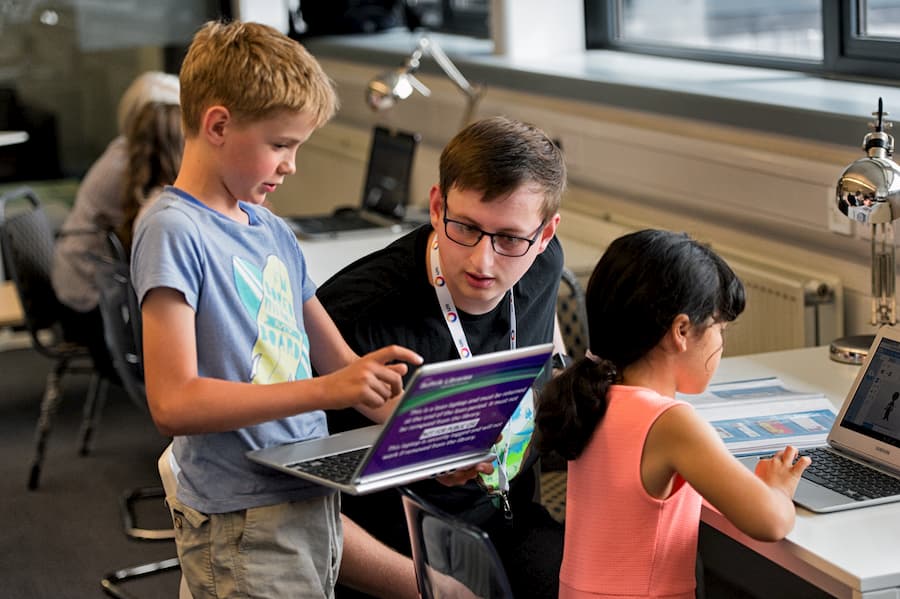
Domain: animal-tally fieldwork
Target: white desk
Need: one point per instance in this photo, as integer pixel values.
(848, 554)
(324, 257)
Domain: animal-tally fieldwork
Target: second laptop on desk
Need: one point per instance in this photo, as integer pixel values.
(860, 465)
(385, 191)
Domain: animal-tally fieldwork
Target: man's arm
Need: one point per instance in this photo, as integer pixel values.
(370, 566)
(182, 402)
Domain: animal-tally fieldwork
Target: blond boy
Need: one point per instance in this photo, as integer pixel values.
(233, 330)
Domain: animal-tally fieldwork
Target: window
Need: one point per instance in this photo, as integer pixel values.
(792, 29)
(880, 19)
(849, 37)
(66, 62)
(466, 17)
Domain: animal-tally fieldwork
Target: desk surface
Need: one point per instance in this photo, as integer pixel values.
(324, 257)
(855, 553)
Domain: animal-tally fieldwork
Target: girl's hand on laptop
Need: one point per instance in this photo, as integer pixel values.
(371, 380)
(783, 470)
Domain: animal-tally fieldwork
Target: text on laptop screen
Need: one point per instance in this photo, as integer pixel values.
(875, 408)
(463, 411)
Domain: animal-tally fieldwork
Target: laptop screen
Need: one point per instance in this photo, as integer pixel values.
(454, 413)
(386, 189)
(875, 408)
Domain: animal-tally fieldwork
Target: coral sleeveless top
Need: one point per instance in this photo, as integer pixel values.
(621, 542)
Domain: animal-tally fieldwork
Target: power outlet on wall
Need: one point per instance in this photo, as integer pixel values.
(837, 221)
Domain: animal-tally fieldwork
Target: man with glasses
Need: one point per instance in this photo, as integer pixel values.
(482, 277)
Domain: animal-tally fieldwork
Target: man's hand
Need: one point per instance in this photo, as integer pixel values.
(461, 477)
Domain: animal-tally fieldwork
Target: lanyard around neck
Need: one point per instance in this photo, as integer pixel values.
(451, 314)
(454, 323)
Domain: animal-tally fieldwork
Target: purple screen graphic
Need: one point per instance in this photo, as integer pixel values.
(453, 413)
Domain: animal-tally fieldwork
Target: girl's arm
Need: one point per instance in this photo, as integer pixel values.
(182, 402)
(760, 506)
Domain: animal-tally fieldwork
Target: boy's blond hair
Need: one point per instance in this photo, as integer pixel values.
(254, 71)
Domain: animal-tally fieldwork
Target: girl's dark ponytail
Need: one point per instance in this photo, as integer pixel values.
(571, 405)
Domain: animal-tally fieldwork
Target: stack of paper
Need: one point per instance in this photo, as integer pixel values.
(762, 416)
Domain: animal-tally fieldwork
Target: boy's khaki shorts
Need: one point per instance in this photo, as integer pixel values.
(284, 550)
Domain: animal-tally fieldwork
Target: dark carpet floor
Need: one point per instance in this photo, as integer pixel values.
(59, 540)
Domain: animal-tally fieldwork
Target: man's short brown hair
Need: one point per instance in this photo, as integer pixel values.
(498, 155)
(254, 71)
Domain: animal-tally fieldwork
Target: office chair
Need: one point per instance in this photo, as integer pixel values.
(450, 552)
(122, 331)
(572, 314)
(27, 239)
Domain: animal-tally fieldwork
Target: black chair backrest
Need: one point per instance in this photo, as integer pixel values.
(121, 319)
(572, 314)
(27, 245)
(449, 552)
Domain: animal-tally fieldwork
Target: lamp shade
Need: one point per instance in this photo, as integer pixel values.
(868, 191)
(391, 87)
(387, 89)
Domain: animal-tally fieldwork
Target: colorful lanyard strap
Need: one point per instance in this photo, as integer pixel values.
(454, 324)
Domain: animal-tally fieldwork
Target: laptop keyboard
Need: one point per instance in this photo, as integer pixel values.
(847, 477)
(339, 467)
(335, 223)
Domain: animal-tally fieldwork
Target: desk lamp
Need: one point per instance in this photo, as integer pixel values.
(388, 88)
(868, 192)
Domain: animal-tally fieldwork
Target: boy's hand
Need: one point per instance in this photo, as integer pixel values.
(781, 471)
(372, 379)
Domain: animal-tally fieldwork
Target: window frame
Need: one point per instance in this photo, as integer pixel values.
(845, 53)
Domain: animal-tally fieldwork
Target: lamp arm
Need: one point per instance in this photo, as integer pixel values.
(884, 307)
(432, 48)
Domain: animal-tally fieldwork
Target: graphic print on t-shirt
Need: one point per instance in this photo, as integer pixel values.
(281, 351)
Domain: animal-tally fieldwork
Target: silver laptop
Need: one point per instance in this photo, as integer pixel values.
(860, 465)
(385, 191)
(448, 418)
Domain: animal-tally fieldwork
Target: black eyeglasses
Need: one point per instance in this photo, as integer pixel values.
(505, 245)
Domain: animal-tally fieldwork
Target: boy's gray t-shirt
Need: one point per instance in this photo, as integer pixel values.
(247, 286)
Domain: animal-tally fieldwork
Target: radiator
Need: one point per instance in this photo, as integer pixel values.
(787, 307)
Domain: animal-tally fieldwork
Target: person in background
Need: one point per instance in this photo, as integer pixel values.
(155, 144)
(640, 461)
(98, 208)
(481, 277)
